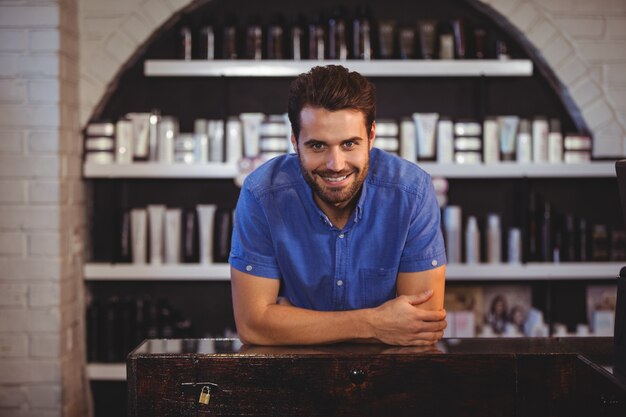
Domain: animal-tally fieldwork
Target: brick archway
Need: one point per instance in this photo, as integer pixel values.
(107, 49)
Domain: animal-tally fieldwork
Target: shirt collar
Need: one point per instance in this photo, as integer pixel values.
(361, 203)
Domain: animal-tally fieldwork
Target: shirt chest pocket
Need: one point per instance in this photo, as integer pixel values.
(377, 286)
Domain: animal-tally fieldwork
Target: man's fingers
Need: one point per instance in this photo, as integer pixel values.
(433, 326)
(430, 315)
(427, 338)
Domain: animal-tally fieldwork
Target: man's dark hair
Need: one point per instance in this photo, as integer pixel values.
(333, 88)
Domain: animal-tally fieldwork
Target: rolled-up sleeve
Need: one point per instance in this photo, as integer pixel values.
(424, 248)
(252, 250)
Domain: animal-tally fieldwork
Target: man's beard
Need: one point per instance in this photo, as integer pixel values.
(340, 195)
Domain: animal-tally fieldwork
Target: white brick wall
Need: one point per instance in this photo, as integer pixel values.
(582, 27)
(39, 157)
(12, 396)
(13, 345)
(29, 16)
(44, 345)
(28, 371)
(30, 320)
(12, 40)
(13, 295)
(44, 396)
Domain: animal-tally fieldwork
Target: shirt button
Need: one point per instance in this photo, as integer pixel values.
(249, 268)
(339, 283)
(434, 262)
(341, 236)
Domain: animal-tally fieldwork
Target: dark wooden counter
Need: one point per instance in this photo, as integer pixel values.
(464, 377)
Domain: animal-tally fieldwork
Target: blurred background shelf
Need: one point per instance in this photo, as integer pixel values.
(380, 68)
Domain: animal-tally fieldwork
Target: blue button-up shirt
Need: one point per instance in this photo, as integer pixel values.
(281, 233)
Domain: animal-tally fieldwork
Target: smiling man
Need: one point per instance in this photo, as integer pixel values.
(341, 241)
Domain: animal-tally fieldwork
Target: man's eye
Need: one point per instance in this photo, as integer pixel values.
(317, 146)
(349, 144)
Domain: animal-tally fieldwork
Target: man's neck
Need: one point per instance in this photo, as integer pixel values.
(338, 214)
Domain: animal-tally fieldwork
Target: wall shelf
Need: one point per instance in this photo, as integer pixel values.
(454, 272)
(106, 371)
(159, 170)
(376, 68)
(229, 171)
(130, 272)
(515, 170)
(534, 271)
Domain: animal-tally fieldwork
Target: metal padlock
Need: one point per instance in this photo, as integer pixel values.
(205, 395)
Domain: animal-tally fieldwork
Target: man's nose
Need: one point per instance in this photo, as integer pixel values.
(336, 160)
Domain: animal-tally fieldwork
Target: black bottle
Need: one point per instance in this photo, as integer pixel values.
(276, 39)
(230, 38)
(185, 41)
(254, 39)
(317, 38)
(124, 249)
(545, 233)
(206, 41)
(337, 36)
(297, 39)
(362, 34)
(94, 327)
(190, 251)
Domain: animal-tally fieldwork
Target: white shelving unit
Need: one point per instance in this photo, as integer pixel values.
(454, 272)
(130, 272)
(106, 371)
(515, 170)
(229, 171)
(159, 170)
(534, 271)
(376, 68)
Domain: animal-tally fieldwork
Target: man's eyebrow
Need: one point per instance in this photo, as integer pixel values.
(312, 141)
(315, 141)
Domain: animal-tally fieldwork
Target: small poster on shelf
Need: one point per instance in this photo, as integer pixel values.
(601, 302)
(464, 305)
(506, 309)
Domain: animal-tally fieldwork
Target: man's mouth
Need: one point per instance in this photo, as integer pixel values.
(334, 179)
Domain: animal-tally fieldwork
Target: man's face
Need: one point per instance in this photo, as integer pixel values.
(333, 149)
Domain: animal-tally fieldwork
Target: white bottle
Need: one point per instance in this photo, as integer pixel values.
(515, 246)
(156, 218)
(493, 239)
(472, 241)
(408, 140)
(172, 235)
(206, 224)
(445, 146)
(524, 143)
(555, 142)
(491, 144)
(540, 140)
(234, 140)
(452, 231)
(139, 234)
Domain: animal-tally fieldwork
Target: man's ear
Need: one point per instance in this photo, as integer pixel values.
(294, 142)
(372, 135)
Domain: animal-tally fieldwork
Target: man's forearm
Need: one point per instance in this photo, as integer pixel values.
(261, 321)
(286, 325)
